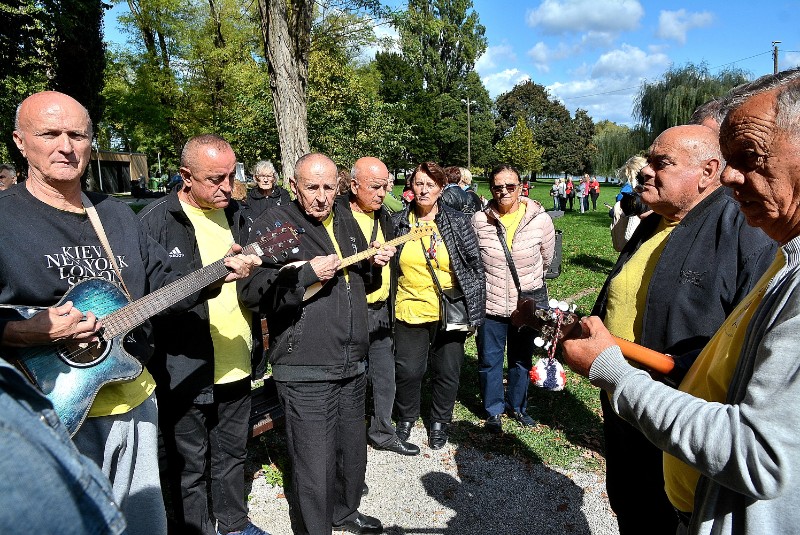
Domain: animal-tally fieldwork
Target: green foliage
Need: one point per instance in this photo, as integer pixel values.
(518, 149)
(671, 100)
(566, 142)
(615, 144)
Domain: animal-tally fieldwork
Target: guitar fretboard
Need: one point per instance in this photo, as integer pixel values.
(414, 233)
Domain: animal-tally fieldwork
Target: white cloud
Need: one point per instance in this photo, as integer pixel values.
(542, 55)
(570, 16)
(628, 61)
(494, 55)
(790, 60)
(503, 81)
(675, 24)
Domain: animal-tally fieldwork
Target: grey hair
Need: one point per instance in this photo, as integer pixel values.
(8, 167)
(265, 166)
(713, 109)
(739, 94)
(787, 106)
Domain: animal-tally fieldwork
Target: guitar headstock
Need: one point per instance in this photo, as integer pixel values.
(554, 321)
(420, 231)
(274, 246)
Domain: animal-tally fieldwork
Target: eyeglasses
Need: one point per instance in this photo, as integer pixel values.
(511, 188)
(264, 176)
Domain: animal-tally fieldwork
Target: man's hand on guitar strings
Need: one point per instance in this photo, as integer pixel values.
(384, 254)
(325, 267)
(239, 265)
(580, 353)
(55, 324)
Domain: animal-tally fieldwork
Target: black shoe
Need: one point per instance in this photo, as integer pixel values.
(404, 430)
(437, 438)
(400, 446)
(523, 419)
(364, 490)
(361, 524)
(494, 424)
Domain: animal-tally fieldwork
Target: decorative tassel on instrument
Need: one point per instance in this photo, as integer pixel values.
(548, 373)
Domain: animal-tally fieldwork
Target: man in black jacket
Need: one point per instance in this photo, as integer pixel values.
(204, 357)
(318, 348)
(683, 271)
(369, 179)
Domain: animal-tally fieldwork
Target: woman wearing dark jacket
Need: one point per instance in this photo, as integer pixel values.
(452, 254)
(267, 192)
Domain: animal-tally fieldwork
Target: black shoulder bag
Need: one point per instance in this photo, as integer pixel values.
(453, 314)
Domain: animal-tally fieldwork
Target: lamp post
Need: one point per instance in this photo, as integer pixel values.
(467, 101)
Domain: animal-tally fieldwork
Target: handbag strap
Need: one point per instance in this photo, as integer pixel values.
(501, 236)
(91, 211)
(430, 267)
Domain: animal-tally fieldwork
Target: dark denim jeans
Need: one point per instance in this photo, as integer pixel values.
(493, 336)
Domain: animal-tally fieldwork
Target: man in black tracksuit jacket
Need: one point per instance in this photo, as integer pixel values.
(195, 414)
(317, 350)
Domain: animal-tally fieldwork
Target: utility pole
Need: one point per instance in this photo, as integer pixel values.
(469, 134)
(775, 56)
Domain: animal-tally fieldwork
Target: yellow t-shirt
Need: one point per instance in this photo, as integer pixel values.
(511, 221)
(328, 224)
(417, 298)
(119, 398)
(230, 324)
(366, 222)
(627, 293)
(709, 378)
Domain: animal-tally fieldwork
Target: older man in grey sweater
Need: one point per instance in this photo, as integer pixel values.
(729, 432)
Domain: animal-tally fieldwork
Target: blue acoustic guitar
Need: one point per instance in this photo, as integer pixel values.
(70, 374)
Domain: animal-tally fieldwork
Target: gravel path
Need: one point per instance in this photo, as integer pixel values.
(459, 490)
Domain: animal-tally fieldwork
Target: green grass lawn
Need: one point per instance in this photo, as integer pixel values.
(569, 434)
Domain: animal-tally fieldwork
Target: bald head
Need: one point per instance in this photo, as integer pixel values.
(683, 167)
(314, 184)
(54, 133)
(370, 180)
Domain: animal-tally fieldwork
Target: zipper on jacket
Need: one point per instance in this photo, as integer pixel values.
(350, 334)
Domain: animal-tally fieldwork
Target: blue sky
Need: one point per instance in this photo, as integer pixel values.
(594, 54)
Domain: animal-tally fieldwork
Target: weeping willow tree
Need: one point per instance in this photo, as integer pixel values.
(671, 100)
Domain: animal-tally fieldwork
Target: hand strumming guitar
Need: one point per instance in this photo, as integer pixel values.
(53, 324)
(580, 353)
(325, 267)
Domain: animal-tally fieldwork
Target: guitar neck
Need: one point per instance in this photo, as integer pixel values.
(653, 360)
(372, 251)
(136, 313)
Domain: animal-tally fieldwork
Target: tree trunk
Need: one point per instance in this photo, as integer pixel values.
(286, 44)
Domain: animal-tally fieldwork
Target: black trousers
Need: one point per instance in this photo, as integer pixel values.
(414, 345)
(195, 434)
(635, 478)
(380, 374)
(328, 451)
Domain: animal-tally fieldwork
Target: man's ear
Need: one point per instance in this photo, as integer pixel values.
(293, 186)
(186, 175)
(710, 176)
(18, 141)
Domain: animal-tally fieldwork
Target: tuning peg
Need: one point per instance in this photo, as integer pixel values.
(573, 307)
(538, 341)
(553, 303)
(563, 306)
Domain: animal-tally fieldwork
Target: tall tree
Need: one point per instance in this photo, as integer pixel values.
(518, 149)
(615, 144)
(671, 100)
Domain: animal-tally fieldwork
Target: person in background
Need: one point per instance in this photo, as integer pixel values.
(268, 192)
(529, 237)
(451, 254)
(582, 193)
(453, 195)
(8, 176)
(562, 194)
(554, 194)
(569, 192)
(594, 192)
(623, 225)
(391, 203)
(683, 271)
(466, 184)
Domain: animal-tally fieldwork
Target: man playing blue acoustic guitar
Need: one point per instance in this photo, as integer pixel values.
(48, 245)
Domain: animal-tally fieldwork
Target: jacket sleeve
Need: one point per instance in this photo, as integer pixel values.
(548, 246)
(747, 446)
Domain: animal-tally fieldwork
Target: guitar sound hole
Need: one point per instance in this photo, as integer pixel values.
(82, 355)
